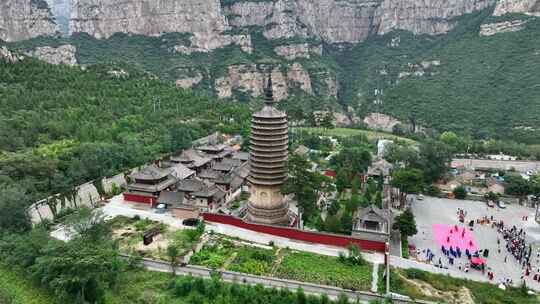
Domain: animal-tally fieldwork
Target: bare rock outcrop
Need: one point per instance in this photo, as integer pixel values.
(295, 51)
(338, 119)
(8, 56)
(64, 54)
(25, 19)
(491, 29)
(204, 43)
(251, 79)
(379, 121)
(528, 7)
(189, 82)
(297, 75)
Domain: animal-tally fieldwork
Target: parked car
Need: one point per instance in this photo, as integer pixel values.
(490, 203)
(190, 222)
(161, 208)
(502, 205)
(420, 197)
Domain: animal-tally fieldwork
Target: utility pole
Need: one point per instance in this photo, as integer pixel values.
(387, 263)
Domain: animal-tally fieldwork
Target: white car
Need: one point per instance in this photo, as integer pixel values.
(420, 197)
(502, 204)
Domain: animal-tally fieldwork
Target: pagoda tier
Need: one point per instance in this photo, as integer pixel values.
(269, 144)
(268, 147)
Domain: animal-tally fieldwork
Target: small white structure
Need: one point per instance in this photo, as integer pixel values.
(382, 145)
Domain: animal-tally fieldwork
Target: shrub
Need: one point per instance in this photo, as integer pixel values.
(460, 192)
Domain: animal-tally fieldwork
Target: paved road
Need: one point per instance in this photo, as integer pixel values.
(235, 277)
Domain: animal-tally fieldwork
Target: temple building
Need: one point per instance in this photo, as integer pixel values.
(268, 160)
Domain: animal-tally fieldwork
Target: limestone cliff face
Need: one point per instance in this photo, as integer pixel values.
(529, 7)
(103, 18)
(425, 16)
(333, 21)
(25, 19)
(251, 79)
(336, 21)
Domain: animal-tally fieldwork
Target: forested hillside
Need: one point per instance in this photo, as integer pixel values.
(62, 126)
(477, 85)
(483, 86)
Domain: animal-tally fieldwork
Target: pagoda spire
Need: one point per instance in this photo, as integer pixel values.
(269, 92)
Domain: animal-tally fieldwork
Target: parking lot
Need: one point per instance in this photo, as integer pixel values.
(436, 211)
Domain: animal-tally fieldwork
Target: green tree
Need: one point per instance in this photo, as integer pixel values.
(451, 139)
(518, 186)
(13, 215)
(408, 181)
(342, 180)
(406, 223)
(355, 159)
(77, 271)
(460, 192)
(401, 155)
(172, 254)
(434, 160)
(356, 185)
(89, 224)
(305, 185)
(492, 196)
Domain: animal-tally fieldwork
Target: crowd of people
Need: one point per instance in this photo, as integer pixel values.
(512, 240)
(518, 248)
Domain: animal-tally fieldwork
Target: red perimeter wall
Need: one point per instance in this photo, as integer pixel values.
(139, 198)
(297, 234)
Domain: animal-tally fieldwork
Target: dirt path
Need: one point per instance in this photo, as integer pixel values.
(280, 256)
(229, 261)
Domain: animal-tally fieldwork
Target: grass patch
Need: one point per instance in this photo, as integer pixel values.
(309, 267)
(483, 293)
(347, 132)
(142, 287)
(213, 255)
(16, 289)
(253, 260)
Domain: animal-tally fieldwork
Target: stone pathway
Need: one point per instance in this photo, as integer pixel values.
(374, 277)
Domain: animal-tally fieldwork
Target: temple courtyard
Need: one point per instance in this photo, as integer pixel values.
(436, 217)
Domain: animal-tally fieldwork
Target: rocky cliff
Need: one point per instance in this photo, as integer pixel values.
(64, 54)
(25, 19)
(529, 7)
(333, 21)
(103, 18)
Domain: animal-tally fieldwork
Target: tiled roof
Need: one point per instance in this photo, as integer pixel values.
(181, 172)
(150, 172)
(190, 185)
(171, 198)
(209, 174)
